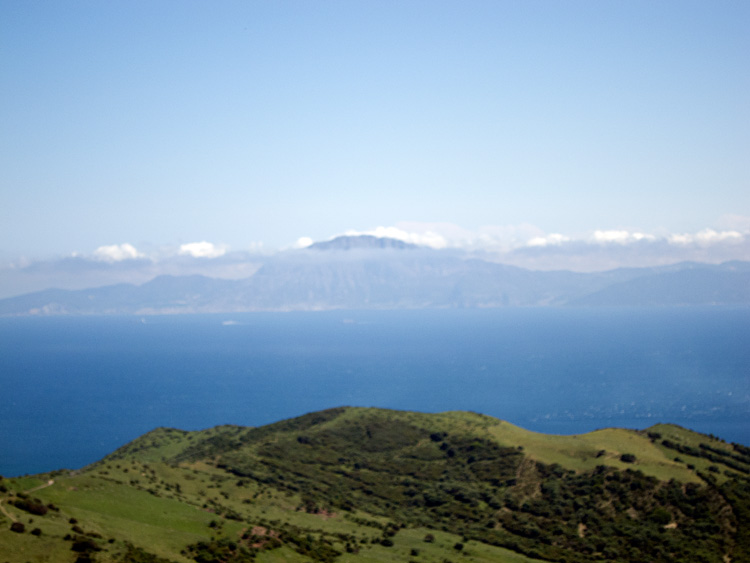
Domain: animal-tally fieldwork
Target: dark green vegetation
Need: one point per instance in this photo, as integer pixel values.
(365, 485)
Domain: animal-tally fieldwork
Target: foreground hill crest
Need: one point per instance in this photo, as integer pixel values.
(356, 484)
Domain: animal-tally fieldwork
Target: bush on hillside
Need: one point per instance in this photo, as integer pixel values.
(31, 506)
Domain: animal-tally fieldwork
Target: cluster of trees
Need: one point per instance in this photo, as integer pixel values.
(459, 482)
(317, 546)
(738, 461)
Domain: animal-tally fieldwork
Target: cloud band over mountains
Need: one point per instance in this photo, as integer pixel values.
(518, 239)
(490, 239)
(519, 245)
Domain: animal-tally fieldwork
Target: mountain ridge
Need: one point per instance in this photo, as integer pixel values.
(364, 272)
(359, 242)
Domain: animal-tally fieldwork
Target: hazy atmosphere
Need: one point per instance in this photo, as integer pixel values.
(577, 135)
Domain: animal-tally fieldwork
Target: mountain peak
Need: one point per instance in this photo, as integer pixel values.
(356, 242)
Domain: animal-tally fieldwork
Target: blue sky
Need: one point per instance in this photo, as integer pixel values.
(248, 125)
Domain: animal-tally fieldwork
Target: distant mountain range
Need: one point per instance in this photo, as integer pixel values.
(365, 272)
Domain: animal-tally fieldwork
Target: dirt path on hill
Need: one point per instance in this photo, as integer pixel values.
(8, 514)
(47, 484)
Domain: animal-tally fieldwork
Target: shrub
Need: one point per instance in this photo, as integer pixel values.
(386, 542)
(31, 506)
(17, 527)
(84, 545)
(627, 458)
(660, 516)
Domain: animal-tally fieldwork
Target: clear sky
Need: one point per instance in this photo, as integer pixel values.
(251, 124)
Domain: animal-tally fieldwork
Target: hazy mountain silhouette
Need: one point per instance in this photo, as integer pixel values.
(381, 273)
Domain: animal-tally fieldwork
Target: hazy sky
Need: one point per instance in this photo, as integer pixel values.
(251, 124)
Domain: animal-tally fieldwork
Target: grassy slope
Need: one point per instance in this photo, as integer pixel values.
(582, 452)
(164, 526)
(163, 491)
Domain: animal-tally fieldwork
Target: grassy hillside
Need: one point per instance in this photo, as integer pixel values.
(361, 485)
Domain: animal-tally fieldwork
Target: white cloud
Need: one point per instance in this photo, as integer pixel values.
(706, 237)
(202, 249)
(303, 242)
(117, 253)
(619, 237)
(680, 239)
(488, 237)
(555, 239)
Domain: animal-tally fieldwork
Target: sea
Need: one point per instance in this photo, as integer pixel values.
(73, 389)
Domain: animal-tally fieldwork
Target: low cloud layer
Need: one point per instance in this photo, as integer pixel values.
(528, 246)
(124, 263)
(707, 237)
(619, 237)
(521, 245)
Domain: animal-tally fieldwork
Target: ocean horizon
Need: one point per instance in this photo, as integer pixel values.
(77, 388)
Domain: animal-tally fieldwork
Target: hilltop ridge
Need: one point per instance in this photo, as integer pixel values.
(364, 484)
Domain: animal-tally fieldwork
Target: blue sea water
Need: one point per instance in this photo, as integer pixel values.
(73, 389)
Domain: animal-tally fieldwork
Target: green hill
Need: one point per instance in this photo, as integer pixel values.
(367, 485)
